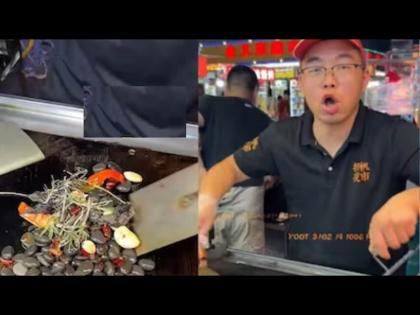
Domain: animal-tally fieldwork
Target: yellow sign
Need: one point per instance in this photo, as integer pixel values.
(214, 67)
(287, 73)
(371, 69)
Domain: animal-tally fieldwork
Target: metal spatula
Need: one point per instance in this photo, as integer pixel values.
(166, 211)
(16, 149)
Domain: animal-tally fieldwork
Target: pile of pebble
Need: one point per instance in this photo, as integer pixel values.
(102, 253)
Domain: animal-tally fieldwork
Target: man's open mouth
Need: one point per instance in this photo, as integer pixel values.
(329, 100)
(329, 103)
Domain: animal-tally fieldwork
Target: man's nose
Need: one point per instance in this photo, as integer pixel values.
(329, 79)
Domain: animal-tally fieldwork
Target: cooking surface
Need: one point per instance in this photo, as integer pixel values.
(65, 154)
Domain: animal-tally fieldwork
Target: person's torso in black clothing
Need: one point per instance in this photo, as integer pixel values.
(230, 122)
(334, 199)
(136, 88)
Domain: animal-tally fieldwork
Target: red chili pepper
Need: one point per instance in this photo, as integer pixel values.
(6, 262)
(75, 210)
(55, 248)
(40, 220)
(100, 177)
(23, 207)
(118, 262)
(110, 184)
(106, 230)
(84, 253)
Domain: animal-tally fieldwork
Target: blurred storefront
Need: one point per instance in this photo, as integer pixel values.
(277, 69)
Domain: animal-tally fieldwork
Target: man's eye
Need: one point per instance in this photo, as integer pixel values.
(315, 70)
(344, 67)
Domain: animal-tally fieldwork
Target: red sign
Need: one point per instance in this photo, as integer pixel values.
(270, 49)
(245, 51)
(275, 48)
(230, 51)
(260, 49)
(371, 55)
(202, 66)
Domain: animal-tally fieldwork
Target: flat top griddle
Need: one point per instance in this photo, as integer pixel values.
(66, 154)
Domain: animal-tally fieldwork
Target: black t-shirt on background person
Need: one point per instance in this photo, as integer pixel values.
(230, 122)
(113, 111)
(334, 198)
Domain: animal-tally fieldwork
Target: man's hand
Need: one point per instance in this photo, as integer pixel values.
(218, 180)
(395, 223)
(206, 215)
(202, 251)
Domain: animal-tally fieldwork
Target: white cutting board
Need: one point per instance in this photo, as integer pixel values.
(162, 216)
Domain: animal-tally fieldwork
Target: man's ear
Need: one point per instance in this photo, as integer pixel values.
(255, 95)
(226, 90)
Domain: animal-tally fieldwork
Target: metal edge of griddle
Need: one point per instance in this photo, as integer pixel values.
(42, 116)
(67, 121)
(283, 265)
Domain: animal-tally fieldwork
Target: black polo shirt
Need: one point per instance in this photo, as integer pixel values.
(333, 199)
(229, 123)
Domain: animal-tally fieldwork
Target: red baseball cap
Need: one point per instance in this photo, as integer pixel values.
(305, 44)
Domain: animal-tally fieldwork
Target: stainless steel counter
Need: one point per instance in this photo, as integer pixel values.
(67, 120)
(237, 262)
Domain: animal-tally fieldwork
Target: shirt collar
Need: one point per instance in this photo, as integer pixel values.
(356, 134)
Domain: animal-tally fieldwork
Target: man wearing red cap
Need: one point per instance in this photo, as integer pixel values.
(344, 167)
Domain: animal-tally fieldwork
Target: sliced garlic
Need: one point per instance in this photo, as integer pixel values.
(89, 247)
(125, 238)
(133, 177)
